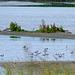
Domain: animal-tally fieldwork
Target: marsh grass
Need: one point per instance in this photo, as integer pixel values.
(40, 68)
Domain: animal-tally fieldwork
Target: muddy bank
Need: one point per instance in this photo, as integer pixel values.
(33, 34)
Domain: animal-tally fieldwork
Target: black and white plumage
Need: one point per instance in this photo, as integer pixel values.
(37, 53)
(26, 48)
(45, 50)
(60, 55)
(1, 55)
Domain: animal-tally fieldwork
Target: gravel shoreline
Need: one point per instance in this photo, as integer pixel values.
(33, 34)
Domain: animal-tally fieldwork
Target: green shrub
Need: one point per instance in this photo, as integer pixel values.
(18, 28)
(14, 27)
(51, 29)
(47, 28)
(37, 30)
(42, 30)
(54, 27)
(57, 29)
(22, 30)
(61, 29)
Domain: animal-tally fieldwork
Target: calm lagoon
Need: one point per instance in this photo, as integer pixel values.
(27, 49)
(30, 18)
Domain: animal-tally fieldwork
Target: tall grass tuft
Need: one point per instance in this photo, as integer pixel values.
(42, 68)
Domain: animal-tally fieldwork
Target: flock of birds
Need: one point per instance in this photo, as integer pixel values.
(36, 53)
(45, 53)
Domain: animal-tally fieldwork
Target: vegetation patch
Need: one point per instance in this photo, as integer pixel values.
(14, 37)
(48, 29)
(43, 28)
(40, 68)
(53, 39)
(15, 27)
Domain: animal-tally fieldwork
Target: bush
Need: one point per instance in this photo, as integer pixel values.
(22, 30)
(53, 28)
(47, 28)
(61, 29)
(57, 29)
(18, 28)
(14, 27)
(42, 30)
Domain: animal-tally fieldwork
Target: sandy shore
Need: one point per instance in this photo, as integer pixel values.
(51, 35)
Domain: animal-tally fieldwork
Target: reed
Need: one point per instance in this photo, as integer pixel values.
(42, 68)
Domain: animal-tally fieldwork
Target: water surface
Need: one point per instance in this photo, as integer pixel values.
(31, 17)
(26, 49)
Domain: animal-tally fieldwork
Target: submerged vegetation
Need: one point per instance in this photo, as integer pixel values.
(14, 37)
(43, 28)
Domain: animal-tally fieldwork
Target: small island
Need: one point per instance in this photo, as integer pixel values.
(44, 31)
(43, 28)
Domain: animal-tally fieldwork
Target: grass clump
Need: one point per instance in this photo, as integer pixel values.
(8, 71)
(48, 29)
(14, 37)
(12, 72)
(41, 68)
(16, 27)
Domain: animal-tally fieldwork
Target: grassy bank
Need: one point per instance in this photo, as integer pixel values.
(39, 68)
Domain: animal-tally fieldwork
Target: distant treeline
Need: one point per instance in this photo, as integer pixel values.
(43, 0)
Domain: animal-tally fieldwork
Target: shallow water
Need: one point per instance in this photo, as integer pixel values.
(2, 70)
(31, 17)
(13, 49)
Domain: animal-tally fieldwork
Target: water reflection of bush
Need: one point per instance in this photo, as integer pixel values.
(47, 39)
(44, 39)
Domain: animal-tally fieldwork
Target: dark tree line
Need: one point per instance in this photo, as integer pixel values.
(43, 0)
